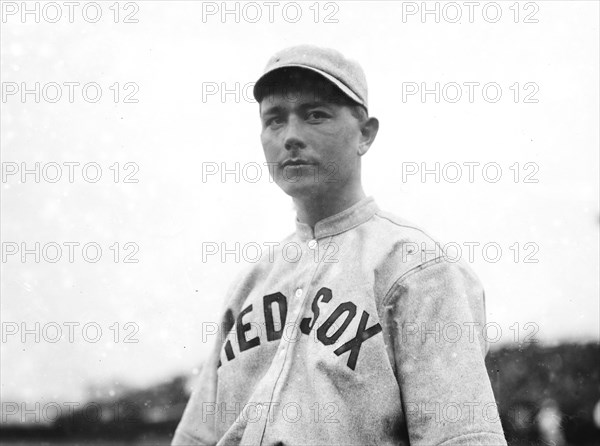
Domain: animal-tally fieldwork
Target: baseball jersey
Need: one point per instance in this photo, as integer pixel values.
(359, 331)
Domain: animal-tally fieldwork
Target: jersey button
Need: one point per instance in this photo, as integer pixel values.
(298, 292)
(312, 244)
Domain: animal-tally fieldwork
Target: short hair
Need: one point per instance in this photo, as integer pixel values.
(292, 79)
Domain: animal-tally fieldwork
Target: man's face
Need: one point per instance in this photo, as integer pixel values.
(311, 145)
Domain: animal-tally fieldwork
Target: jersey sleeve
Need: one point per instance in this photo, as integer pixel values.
(436, 314)
(197, 425)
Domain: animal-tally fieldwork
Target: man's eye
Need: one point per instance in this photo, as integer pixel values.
(317, 115)
(275, 120)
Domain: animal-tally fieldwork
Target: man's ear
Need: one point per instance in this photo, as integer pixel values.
(368, 132)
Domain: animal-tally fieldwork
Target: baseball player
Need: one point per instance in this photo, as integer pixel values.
(356, 329)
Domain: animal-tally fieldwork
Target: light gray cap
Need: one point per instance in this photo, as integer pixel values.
(346, 74)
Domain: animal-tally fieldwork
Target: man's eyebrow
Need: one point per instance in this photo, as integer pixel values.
(315, 104)
(278, 109)
(275, 109)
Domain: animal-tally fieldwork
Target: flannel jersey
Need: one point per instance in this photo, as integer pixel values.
(359, 332)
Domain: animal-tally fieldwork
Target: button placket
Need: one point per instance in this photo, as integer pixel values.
(295, 305)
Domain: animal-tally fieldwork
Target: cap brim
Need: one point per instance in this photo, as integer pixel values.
(347, 91)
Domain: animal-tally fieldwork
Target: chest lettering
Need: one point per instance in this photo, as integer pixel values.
(276, 305)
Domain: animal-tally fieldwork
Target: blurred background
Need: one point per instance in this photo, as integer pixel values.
(145, 110)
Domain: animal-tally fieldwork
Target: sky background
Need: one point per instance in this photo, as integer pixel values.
(174, 54)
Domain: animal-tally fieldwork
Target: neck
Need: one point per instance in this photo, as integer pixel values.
(310, 210)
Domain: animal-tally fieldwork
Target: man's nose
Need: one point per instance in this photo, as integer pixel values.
(293, 135)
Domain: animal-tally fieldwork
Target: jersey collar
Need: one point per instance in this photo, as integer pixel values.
(355, 215)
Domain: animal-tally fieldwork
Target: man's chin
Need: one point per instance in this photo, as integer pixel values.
(304, 188)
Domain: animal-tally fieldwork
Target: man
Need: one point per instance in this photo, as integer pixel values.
(369, 336)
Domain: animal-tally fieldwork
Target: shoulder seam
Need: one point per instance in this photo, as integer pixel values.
(385, 217)
(189, 437)
(416, 268)
(470, 434)
(410, 272)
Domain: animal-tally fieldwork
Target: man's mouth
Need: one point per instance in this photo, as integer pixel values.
(296, 162)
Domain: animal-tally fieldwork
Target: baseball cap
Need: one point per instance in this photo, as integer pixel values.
(344, 73)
